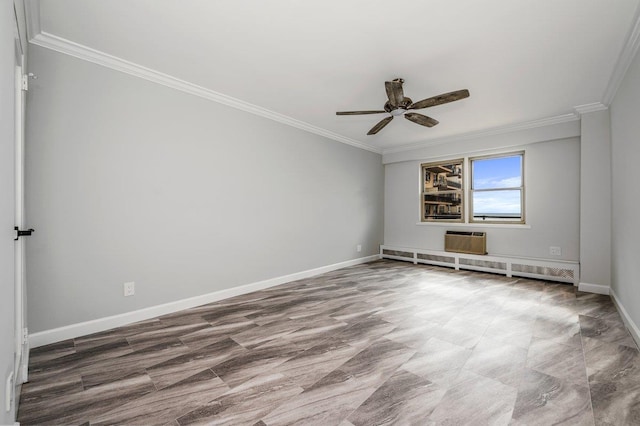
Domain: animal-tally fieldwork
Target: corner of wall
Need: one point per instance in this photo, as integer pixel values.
(626, 318)
(594, 288)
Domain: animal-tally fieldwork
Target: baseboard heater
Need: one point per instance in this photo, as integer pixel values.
(465, 242)
(546, 269)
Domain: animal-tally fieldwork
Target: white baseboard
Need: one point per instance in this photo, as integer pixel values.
(46, 337)
(631, 326)
(594, 288)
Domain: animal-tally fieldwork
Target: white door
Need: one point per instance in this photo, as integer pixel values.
(21, 343)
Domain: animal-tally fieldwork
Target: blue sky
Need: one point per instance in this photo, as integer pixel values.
(501, 172)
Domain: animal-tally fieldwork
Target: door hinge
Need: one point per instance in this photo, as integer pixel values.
(25, 80)
(25, 336)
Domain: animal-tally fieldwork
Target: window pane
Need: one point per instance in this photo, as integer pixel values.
(438, 205)
(501, 204)
(502, 172)
(442, 197)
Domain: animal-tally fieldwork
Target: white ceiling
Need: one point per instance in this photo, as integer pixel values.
(522, 60)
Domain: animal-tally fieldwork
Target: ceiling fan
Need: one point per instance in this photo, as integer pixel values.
(399, 104)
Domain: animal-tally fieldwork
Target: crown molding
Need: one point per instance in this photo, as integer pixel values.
(624, 61)
(59, 44)
(489, 132)
(592, 107)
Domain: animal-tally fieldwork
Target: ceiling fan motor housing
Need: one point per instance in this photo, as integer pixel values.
(404, 105)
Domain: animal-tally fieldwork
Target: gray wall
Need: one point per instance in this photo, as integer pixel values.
(7, 308)
(552, 182)
(625, 152)
(128, 180)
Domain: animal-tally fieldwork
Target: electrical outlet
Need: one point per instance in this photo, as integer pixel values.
(555, 251)
(358, 248)
(129, 288)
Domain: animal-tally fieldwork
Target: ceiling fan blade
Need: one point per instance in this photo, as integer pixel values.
(394, 92)
(440, 99)
(358, 112)
(375, 129)
(421, 119)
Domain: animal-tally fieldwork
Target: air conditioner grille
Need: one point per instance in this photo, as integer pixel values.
(465, 242)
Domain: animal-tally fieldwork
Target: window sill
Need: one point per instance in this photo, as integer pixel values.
(476, 225)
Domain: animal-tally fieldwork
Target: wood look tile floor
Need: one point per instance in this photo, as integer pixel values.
(375, 344)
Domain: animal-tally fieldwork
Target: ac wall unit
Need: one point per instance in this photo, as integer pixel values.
(465, 242)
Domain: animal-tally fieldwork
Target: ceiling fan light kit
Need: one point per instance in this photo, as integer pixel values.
(398, 104)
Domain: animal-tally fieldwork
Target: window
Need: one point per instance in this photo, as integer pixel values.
(495, 194)
(497, 189)
(442, 192)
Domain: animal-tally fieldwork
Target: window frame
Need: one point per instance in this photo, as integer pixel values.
(460, 191)
(520, 188)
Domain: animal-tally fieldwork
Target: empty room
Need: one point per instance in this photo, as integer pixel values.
(319, 212)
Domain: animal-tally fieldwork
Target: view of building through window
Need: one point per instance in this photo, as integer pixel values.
(442, 195)
(497, 188)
